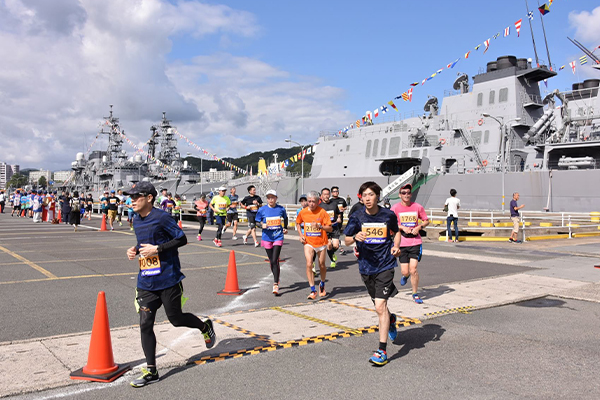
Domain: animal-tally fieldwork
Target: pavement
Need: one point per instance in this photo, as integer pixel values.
(52, 276)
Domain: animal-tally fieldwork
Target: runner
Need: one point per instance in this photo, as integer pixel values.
(104, 204)
(36, 207)
(232, 213)
(16, 202)
(159, 277)
(342, 206)
(89, 206)
(177, 209)
(316, 223)
(251, 203)
(335, 216)
(130, 212)
(75, 214)
(167, 204)
(2, 201)
(375, 231)
(113, 206)
(201, 207)
(120, 207)
(303, 200)
(163, 195)
(411, 246)
(274, 222)
(219, 204)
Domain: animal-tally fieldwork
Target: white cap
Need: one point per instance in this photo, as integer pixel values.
(222, 188)
(274, 193)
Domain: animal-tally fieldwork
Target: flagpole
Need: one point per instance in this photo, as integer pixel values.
(537, 61)
(545, 40)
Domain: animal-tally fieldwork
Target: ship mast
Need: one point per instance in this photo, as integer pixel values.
(114, 153)
(537, 61)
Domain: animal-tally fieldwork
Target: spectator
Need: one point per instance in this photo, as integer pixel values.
(451, 206)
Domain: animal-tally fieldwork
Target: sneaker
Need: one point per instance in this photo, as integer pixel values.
(332, 265)
(312, 296)
(356, 253)
(518, 241)
(256, 244)
(417, 299)
(216, 242)
(343, 252)
(511, 240)
(245, 239)
(112, 229)
(276, 289)
(393, 332)
(403, 280)
(199, 237)
(234, 238)
(210, 337)
(314, 269)
(120, 223)
(146, 378)
(379, 358)
(131, 228)
(219, 243)
(334, 257)
(322, 292)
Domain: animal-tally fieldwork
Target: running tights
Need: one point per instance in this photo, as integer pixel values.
(331, 252)
(274, 260)
(202, 221)
(219, 228)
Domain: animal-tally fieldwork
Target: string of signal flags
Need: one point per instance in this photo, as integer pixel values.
(407, 95)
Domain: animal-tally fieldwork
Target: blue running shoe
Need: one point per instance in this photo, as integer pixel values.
(379, 358)
(403, 280)
(417, 299)
(393, 332)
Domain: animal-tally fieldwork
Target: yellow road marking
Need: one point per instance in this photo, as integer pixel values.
(31, 264)
(317, 320)
(62, 278)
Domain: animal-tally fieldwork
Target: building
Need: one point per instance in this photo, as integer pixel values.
(213, 175)
(61, 176)
(6, 172)
(34, 176)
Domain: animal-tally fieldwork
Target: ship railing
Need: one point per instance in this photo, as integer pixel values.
(531, 98)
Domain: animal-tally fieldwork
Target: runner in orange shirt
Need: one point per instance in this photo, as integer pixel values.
(316, 224)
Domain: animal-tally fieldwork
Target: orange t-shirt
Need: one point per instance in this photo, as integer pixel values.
(314, 236)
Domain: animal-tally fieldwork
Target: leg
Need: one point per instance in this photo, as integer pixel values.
(235, 226)
(202, 221)
(275, 267)
(219, 227)
(322, 267)
(171, 298)
(309, 252)
(414, 274)
(254, 235)
(455, 228)
(448, 226)
(384, 319)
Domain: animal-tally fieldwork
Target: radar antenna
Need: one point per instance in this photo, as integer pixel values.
(461, 83)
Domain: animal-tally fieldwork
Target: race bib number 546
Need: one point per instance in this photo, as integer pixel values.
(150, 266)
(376, 232)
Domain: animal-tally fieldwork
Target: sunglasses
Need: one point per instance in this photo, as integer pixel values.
(404, 192)
(137, 196)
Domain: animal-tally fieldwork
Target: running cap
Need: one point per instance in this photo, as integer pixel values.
(222, 188)
(112, 191)
(142, 187)
(303, 196)
(407, 186)
(271, 192)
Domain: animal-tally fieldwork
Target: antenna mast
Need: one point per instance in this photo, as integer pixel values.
(545, 41)
(537, 60)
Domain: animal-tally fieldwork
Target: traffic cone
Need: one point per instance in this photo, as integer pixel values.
(100, 366)
(180, 225)
(231, 282)
(23, 213)
(103, 225)
(59, 218)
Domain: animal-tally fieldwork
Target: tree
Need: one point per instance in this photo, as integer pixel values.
(42, 181)
(17, 180)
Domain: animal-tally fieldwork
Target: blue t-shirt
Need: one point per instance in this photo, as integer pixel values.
(375, 252)
(156, 228)
(129, 204)
(513, 212)
(274, 218)
(234, 199)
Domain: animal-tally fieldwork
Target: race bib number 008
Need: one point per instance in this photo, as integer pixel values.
(150, 266)
(375, 232)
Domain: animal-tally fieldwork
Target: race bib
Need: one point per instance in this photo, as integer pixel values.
(169, 205)
(222, 206)
(202, 213)
(150, 266)
(408, 219)
(113, 201)
(253, 207)
(273, 222)
(376, 232)
(311, 229)
(331, 214)
(340, 207)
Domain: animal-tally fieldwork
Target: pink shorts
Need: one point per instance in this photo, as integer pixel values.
(269, 245)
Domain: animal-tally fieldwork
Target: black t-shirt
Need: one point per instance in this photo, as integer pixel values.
(341, 203)
(332, 210)
(89, 202)
(249, 203)
(355, 208)
(113, 202)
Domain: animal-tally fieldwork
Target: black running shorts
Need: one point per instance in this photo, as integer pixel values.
(380, 285)
(251, 220)
(408, 252)
(232, 217)
(335, 233)
(169, 297)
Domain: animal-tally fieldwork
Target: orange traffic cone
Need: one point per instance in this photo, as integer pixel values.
(231, 282)
(59, 218)
(23, 213)
(103, 225)
(100, 366)
(180, 225)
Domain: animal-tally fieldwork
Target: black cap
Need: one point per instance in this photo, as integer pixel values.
(143, 187)
(303, 196)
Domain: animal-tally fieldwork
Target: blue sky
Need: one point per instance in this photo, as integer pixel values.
(240, 76)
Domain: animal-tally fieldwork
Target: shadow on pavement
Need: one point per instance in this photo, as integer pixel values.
(416, 338)
(346, 289)
(427, 294)
(544, 303)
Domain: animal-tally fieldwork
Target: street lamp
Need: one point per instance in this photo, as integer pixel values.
(503, 128)
(302, 146)
(201, 191)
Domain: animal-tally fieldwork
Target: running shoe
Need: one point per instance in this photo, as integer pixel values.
(146, 378)
(276, 289)
(393, 332)
(322, 292)
(332, 265)
(518, 241)
(379, 358)
(199, 237)
(256, 244)
(219, 243)
(417, 299)
(356, 253)
(245, 237)
(120, 223)
(312, 296)
(334, 257)
(216, 242)
(112, 229)
(403, 280)
(131, 228)
(342, 251)
(210, 337)
(234, 238)
(511, 240)
(314, 269)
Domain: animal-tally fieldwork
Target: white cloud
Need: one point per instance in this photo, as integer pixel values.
(64, 61)
(587, 25)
